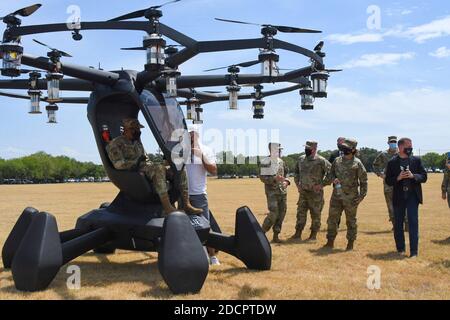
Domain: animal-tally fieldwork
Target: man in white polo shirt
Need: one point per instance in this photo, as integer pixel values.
(202, 162)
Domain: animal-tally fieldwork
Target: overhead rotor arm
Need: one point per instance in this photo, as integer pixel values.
(80, 72)
(224, 80)
(228, 45)
(65, 84)
(206, 97)
(74, 100)
(97, 25)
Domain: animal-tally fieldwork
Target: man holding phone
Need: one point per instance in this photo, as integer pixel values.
(406, 174)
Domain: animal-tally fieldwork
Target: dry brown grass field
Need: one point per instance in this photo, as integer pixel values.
(300, 270)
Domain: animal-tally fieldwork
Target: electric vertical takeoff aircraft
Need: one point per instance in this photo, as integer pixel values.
(35, 249)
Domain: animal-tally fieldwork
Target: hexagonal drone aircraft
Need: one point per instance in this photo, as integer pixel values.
(35, 250)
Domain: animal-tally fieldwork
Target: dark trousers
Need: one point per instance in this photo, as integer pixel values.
(411, 207)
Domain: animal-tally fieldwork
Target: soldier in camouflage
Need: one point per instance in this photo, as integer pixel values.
(126, 152)
(273, 175)
(446, 182)
(311, 175)
(349, 178)
(379, 167)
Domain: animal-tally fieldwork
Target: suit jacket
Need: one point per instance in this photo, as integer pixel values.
(420, 176)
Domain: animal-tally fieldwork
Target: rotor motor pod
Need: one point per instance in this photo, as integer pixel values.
(198, 115)
(320, 82)
(51, 112)
(11, 54)
(35, 99)
(191, 105)
(53, 81)
(269, 60)
(307, 98)
(156, 57)
(171, 82)
(233, 91)
(258, 109)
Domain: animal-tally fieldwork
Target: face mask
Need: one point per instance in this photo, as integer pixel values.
(408, 151)
(340, 147)
(347, 152)
(392, 146)
(308, 152)
(137, 135)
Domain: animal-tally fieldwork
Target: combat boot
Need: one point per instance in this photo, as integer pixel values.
(350, 245)
(188, 208)
(297, 235)
(167, 205)
(330, 244)
(276, 239)
(313, 236)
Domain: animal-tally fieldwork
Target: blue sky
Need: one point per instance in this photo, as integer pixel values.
(395, 79)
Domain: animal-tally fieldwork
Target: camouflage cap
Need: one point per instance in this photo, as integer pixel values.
(311, 144)
(131, 123)
(350, 143)
(392, 139)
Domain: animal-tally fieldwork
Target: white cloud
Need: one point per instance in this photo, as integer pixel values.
(347, 39)
(435, 29)
(406, 12)
(442, 52)
(377, 59)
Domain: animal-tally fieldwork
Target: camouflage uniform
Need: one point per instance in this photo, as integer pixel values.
(379, 166)
(352, 174)
(276, 194)
(446, 185)
(309, 172)
(130, 155)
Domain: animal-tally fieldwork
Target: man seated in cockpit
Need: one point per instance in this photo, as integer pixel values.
(126, 152)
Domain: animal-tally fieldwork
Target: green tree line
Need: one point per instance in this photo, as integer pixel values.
(42, 167)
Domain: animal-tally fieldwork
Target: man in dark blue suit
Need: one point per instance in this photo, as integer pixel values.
(406, 174)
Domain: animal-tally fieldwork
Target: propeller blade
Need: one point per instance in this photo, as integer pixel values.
(62, 53)
(334, 70)
(135, 48)
(248, 64)
(215, 69)
(287, 29)
(279, 28)
(319, 46)
(213, 92)
(25, 12)
(43, 44)
(165, 4)
(235, 21)
(132, 15)
(242, 65)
